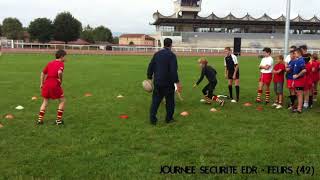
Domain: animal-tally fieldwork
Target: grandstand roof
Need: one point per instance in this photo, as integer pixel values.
(230, 18)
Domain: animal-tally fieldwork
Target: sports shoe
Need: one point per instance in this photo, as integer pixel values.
(233, 101)
(274, 105)
(170, 121)
(279, 106)
(38, 122)
(58, 123)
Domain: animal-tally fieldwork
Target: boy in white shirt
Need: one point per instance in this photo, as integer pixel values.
(266, 68)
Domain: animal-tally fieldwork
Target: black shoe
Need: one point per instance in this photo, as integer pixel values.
(38, 122)
(170, 121)
(154, 123)
(58, 123)
(299, 111)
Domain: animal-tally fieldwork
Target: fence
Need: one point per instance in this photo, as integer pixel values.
(129, 49)
(199, 50)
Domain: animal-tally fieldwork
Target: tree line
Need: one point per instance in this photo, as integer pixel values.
(65, 27)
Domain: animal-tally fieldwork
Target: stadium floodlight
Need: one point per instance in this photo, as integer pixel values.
(287, 30)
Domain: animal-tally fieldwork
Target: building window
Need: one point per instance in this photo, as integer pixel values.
(203, 30)
(166, 28)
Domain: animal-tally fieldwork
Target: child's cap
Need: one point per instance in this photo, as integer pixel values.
(203, 61)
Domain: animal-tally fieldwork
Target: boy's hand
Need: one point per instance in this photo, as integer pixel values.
(41, 86)
(179, 87)
(267, 67)
(295, 76)
(234, 77)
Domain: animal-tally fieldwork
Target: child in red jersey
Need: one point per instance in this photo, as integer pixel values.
(278, 80)
(50, 84)
(308, 87)
(315, 75)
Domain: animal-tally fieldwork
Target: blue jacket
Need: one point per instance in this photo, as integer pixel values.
(163, 68)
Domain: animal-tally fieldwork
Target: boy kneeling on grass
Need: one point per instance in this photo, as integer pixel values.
(210, 73)
(50, 84)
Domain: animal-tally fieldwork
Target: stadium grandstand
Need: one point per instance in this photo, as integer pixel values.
(188, 29)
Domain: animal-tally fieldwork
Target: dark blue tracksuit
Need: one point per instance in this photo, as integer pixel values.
(163, 68)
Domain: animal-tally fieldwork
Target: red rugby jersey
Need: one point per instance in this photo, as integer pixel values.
(52, 69)
(309, 69)
(316, 68)
(279, 77)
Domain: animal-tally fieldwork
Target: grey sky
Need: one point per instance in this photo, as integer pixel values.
(135, 15)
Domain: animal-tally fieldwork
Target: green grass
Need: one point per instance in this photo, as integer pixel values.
(95, 144)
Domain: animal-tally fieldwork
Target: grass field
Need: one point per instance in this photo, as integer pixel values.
(96, 144)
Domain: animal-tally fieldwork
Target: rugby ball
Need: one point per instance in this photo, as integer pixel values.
(147, 86)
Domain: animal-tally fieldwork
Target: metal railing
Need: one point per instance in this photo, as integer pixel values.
(138, 49)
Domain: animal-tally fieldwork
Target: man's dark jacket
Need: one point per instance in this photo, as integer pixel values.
(164, 68)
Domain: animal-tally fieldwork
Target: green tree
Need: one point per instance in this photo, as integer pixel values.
(102, 33)
(115, 40)
(87, 34)
(66, 27)
(41, 29)
(12, 28)
(0, 30)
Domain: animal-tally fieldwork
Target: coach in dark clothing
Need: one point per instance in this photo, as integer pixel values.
(163, 68)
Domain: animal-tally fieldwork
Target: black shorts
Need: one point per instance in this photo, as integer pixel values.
(230, 75)
(209, 89)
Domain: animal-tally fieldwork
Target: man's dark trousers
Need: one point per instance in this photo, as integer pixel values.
(159, 93)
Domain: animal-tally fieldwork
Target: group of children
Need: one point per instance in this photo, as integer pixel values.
(302, 73)
(301, 69)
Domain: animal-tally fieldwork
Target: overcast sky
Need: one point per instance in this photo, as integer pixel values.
(135, 15)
